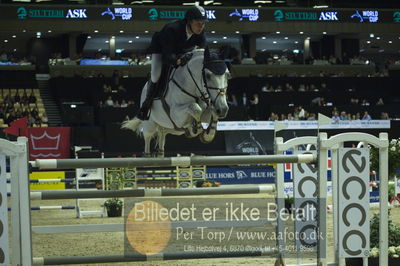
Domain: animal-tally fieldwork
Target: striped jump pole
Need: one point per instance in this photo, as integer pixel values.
(154, 192)
(156, 257)
(65, 180)
(39, 208)
(184, 161)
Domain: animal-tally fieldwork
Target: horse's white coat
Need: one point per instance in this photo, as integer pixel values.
(184, 108)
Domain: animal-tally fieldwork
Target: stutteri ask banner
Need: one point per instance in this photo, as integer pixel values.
(49, 142)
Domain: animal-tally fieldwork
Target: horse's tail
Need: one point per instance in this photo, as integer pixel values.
(133, 125)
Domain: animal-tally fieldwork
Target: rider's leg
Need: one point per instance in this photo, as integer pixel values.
(156, 67)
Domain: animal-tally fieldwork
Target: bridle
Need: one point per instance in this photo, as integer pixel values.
(204, 95)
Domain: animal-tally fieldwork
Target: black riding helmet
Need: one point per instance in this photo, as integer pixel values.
(196, 13)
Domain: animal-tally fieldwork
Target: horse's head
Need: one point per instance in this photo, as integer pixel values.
(216, 75)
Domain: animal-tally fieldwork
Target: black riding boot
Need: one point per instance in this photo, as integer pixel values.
(143, 113)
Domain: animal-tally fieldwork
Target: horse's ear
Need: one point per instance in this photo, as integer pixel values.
(206, 53)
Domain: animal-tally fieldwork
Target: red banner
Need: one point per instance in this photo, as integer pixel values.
(49, 142)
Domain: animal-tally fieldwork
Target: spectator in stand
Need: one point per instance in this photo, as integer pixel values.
(9, 107)
(35, 113)
(336, 117)
(17, 98)
(253, 108)
(116, 78)
(265, 88)
(385, 116)
(18, 113)
(7, 99)
(100, 104)
(24, 98)
(318, 101)
(311, 117)
(366, 116)
(244, 100)
(273, 117)
(109, 102)
(233, 100)
(124, 104)
(107, 88)
(323, 87)
(380, 102)
(354, 101)
(313, 88)
(345, 59)
(32, 98)
(31, 120)
(127, 118)
(301, 113)
(344, 116)
(44, 119)
(131, 103)
(25, 112)
(121, 88)
(116, 104)
(11, 117)
(302, 87)
(365, 102)
(290, 117)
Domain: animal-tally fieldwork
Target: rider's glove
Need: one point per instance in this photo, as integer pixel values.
(185, 58)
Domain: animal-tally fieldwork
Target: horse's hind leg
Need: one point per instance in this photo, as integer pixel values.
(147, 144)
(149, 130)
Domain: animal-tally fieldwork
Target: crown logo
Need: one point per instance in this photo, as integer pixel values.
(45, 142)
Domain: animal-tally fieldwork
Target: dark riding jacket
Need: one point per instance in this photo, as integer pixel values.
(172, 41)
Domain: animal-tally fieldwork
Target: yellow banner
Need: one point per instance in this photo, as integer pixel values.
(47, 185)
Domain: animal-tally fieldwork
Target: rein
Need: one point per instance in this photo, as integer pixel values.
(204, 95)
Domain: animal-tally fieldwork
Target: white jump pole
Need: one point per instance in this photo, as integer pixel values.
(184, 161)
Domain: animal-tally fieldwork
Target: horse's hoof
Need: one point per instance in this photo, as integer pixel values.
(160, 154)
(147, 154)
(206, 139)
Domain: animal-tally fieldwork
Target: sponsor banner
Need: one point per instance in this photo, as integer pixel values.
(353, 199)
(241, 175)
(47, 175)
(49, 142)
(259, 142)
(121, 14)
(249, 142)
(269, 125)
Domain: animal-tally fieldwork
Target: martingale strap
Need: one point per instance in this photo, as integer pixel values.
(183, 90)
(166, 106)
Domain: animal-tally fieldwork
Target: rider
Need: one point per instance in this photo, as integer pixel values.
(168, 47)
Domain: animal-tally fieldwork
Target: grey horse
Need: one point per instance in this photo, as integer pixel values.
(195, 95)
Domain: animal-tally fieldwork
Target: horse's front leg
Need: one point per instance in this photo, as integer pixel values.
(195, 111)
(160, 143)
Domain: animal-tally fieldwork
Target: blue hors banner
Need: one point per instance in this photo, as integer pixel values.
(241, 175)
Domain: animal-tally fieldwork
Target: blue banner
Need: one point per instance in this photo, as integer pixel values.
(241, 175)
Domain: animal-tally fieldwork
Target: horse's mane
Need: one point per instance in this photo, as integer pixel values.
(197, 52)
